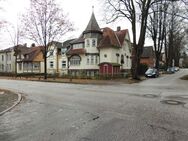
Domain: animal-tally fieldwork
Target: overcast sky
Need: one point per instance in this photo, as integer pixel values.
(79, 13)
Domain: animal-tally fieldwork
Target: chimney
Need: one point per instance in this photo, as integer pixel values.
(118, 28)
(25, 45)
(33, 45)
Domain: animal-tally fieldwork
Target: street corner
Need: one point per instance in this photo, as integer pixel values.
(8, 100)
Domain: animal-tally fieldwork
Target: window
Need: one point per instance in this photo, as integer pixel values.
(20, 66)
(51, 53)
(75, 60)
(87, 43)
(51, 64)
(93, 43)
(117, 57)
(96, 59)
(36, 66)
(127, 61)
(122, 59)
(92, 59)
(88, 59)
(2, 57)
(19, 57)
(77, 46)
(63, 64)
(9, 67)
(3, 67)
(105, 55)
(63, 50)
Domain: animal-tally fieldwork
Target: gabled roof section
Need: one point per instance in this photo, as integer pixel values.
(66, 44)
(92, 25)
(32, 53)
(109, 39)
(56, 43)
(147, 52)
(78, 40)
(121, 35)
(76, 51)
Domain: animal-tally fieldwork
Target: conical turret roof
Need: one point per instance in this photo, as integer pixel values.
(92, 25)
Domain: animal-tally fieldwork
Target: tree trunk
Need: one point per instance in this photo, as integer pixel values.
(45, 62)
(157, 57)
(135, 63)
(16, 66)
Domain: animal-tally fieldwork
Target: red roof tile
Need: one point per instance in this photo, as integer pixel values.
(76, 51)
(121, 35)
(109, 39)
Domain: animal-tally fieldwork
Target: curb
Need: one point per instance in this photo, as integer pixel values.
(16, 103)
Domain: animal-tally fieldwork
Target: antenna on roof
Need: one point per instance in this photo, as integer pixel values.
(93, 9)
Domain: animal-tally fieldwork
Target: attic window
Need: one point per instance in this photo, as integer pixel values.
(51, 53)
(63, 50)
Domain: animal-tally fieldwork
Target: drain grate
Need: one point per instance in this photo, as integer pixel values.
(172, 102)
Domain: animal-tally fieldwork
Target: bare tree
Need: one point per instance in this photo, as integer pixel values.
(15, 35)
(175, 35)
(133, 10)
(45, 22)
(157, 25)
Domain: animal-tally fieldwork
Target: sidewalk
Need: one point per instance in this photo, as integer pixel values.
(7, 99)
(78, 81)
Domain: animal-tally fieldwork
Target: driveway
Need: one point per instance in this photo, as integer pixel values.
(73, 112)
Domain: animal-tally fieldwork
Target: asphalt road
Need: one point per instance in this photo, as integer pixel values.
(119, 112)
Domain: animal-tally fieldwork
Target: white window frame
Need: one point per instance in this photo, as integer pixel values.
(63, 64)
(51, 64)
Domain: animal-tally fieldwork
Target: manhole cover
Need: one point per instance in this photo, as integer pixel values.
(172, 102)
(150, 95)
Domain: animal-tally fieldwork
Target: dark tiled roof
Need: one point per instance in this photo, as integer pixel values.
(78, 40)
(57, 44)
(110, 38)
(21, 49)
(147, 52)
(76, 51)
(66, 44)
(32, 52)
(92, 25)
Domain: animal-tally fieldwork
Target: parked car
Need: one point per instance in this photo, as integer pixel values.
(177, 68)
(152, 72)
(170, 70)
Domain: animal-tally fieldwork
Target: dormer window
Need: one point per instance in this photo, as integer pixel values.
(63, 50)
(51, 53)
(26, 56)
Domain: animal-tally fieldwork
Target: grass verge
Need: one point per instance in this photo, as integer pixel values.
(185, 77)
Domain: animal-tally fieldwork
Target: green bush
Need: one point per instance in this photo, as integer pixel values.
(9, 74)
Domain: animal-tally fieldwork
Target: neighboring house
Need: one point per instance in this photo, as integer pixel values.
(30, 60)
(99, 51)
(7, 60)
(57, 61)
(148, 56)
